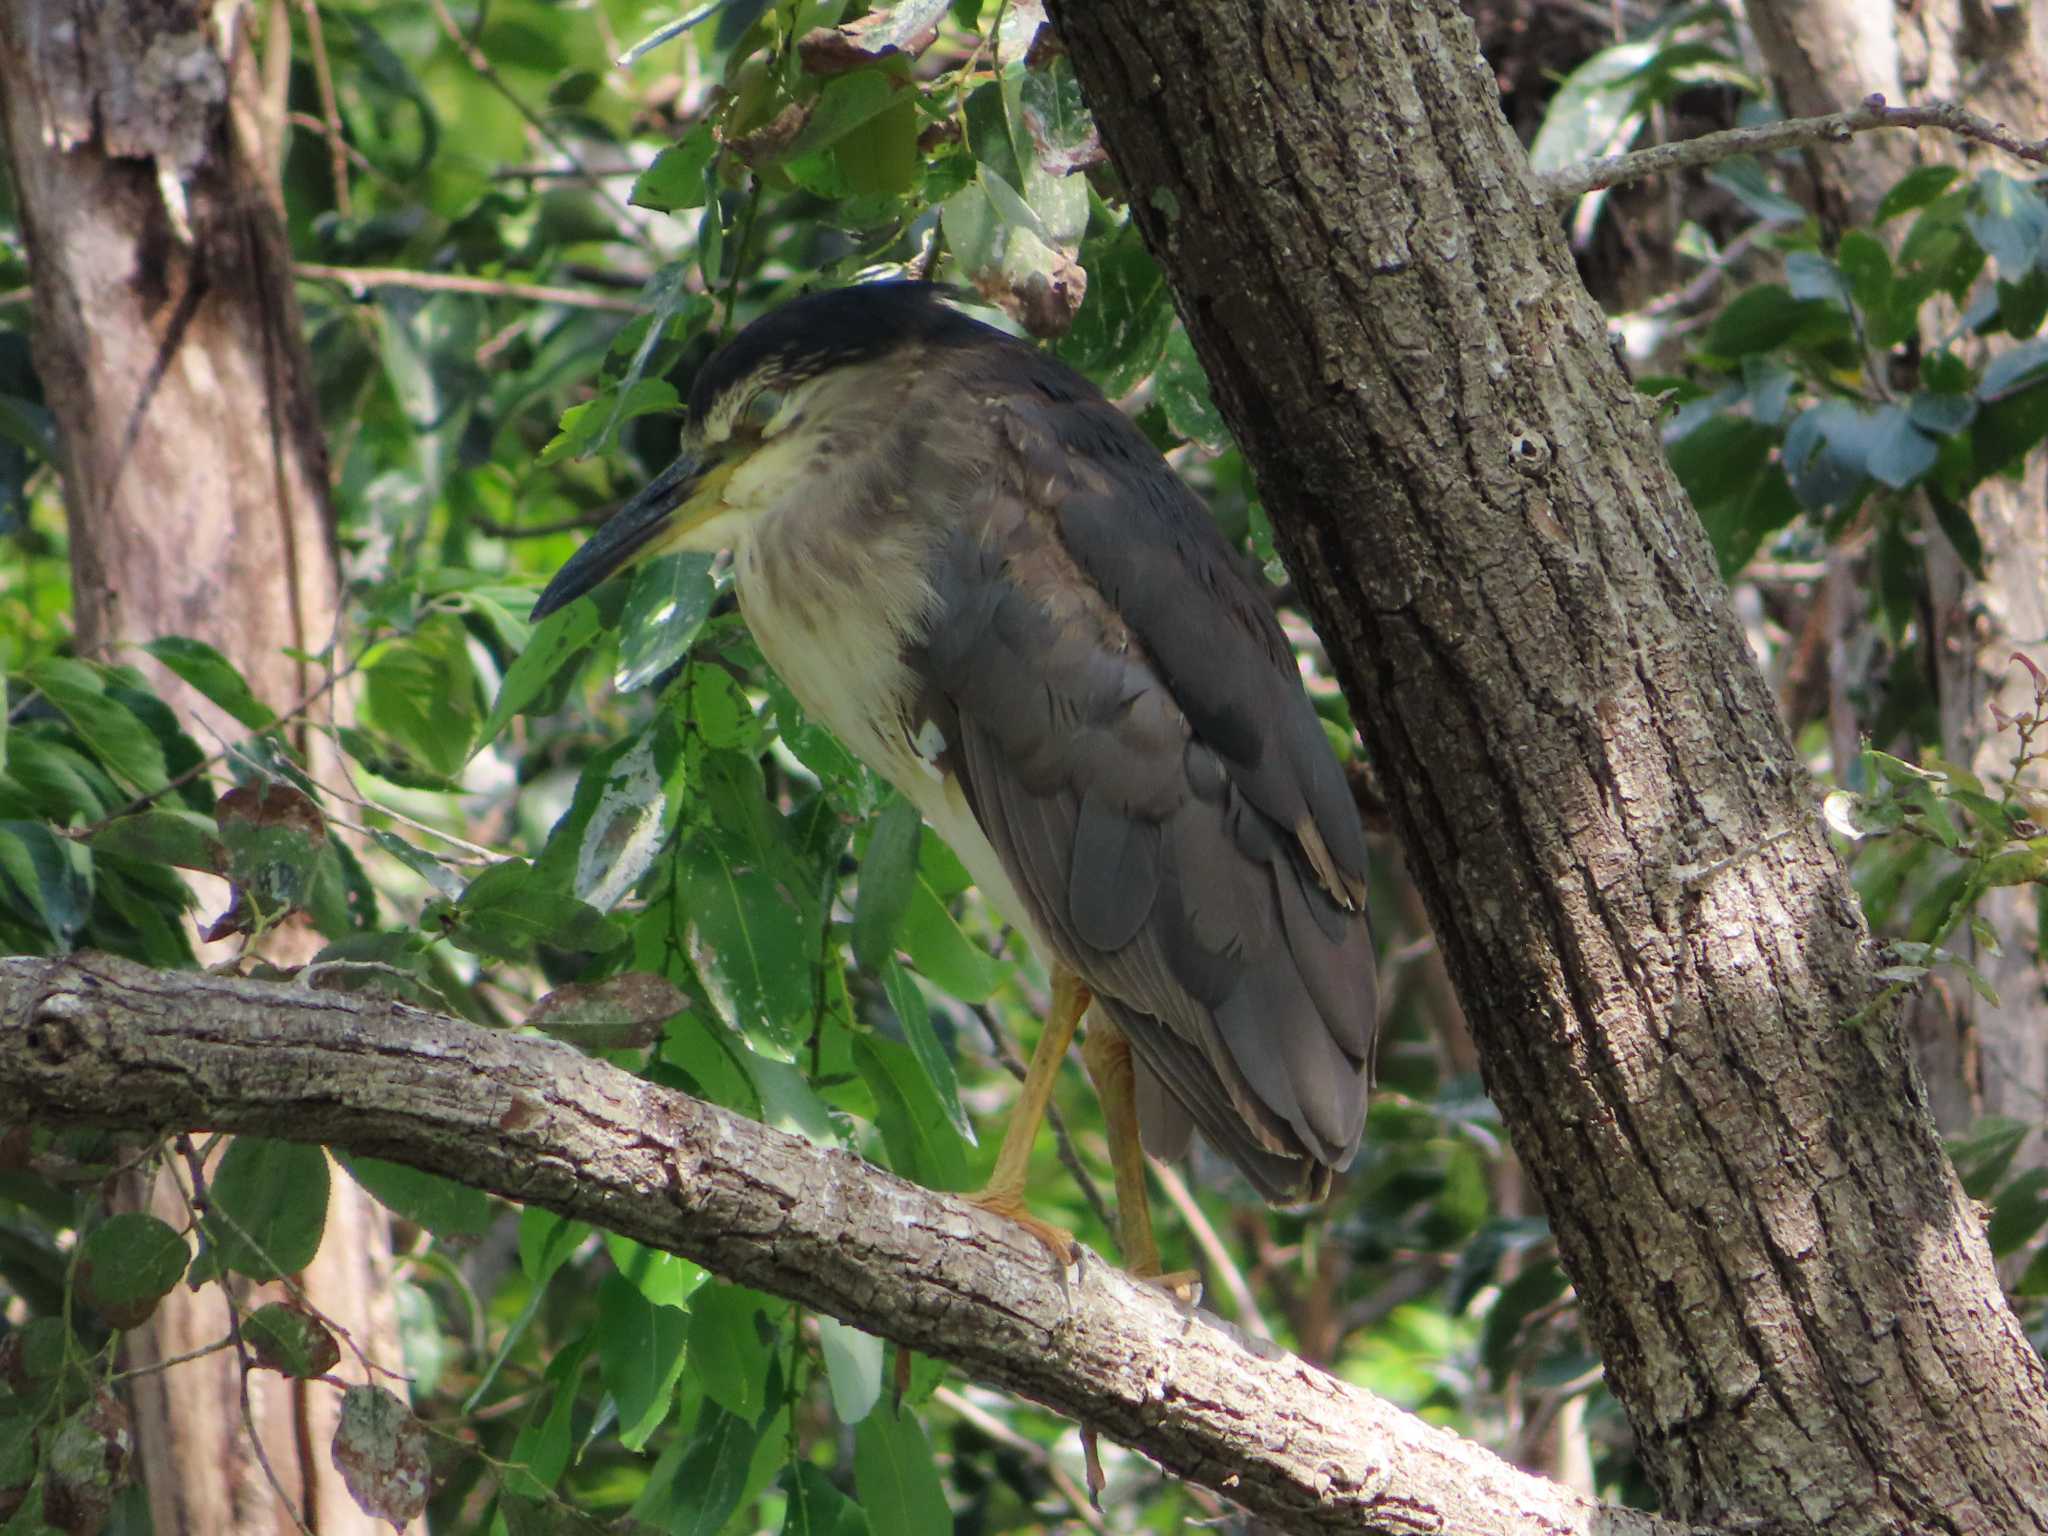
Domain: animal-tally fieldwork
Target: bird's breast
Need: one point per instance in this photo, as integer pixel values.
(833, 616)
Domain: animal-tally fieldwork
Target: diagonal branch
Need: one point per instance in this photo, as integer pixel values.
(98, 1041)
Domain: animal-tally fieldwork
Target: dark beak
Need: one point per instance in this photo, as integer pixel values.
(626, 536)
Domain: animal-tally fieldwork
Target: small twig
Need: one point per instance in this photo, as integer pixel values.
(498, 530)
(330, 109)
(225, 1342)
(360, 280)
(1220, 1262)
(196, 1202)
(1034, 1453)
(1794, 133)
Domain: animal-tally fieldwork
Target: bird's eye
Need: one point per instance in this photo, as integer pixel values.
(762, 410)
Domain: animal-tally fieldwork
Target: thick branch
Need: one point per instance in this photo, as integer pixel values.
(97, 1041)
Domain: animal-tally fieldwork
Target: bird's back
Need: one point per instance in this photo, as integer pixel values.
(1126, 723)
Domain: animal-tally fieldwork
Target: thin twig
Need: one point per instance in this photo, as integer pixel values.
(1221, 1264)
(330, 109)
(1794, 133)
(1034, 1453)
(498, 530)
(360, 280)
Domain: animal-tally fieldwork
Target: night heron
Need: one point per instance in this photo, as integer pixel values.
(986, 580)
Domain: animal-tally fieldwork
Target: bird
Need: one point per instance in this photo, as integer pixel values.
(986, 580)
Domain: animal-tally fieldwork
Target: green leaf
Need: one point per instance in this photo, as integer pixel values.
(665, 1279)
(267, 1206)
(879, 158)
(129, 1263)
(1983, 1154)
(1120, 333)
(2020, 1210)
(1183, 389)
(1536, 1287)
(1827, 452)
(1916, 189)
(2023, 303)
(944, 954)
(1867, 268)
(788, 1102)
(888, 873)
(422, 691)
(752, 944)
(728, 1356)
(666, 607)
(898, 1480)
(545, 1243)
(1900, 453)
(558, 640)
(1767, 317)
(853, 1367)
(213, 675)
(920, 1138)
(1592, 112)
(1956, 525)
(53, 875)
(121, 741)
(916, 1019)
(696, 1492)
(588, 427)
(2016, 368)
(442, 1206)
(640, 1354)
(164, 836)
(676, 178)
(2024, 866)
(508, 910)
(815, 1508)
(2009, 221)
(843, 106)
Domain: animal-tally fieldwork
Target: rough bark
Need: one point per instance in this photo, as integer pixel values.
(95, 1041)
(170, 347)
(1657, 950)
(1978, 1059)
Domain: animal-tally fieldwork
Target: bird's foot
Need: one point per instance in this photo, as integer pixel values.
(1183, 1287)
(1010, 1206)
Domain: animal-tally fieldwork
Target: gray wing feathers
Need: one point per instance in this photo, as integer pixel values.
(1143, 771)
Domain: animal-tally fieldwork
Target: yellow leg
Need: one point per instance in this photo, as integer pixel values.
(1107, 1055)
(1004, 1194)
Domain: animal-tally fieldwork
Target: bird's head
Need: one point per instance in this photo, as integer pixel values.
(766, 386)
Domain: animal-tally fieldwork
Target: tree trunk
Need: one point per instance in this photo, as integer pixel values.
(1660, 957)
(171, 349)
(1978, 1059)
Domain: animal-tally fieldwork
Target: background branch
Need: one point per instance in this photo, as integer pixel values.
(1770, 138)
(93, 1040)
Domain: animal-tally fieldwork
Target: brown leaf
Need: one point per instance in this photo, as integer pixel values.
(908, 28)
(87, 1466)
(380, 1449)
(273, 804)
(619, 1013)
(772, 139)
(291, 1341)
